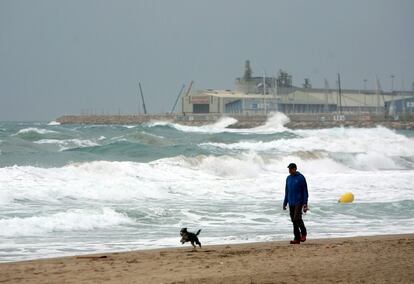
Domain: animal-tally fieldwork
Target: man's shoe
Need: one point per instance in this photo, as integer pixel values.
(294, 242)
(303, 238)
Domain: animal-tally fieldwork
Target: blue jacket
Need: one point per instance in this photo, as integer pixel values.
(296, 190)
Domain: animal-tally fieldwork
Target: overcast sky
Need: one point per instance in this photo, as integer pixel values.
(62, 57)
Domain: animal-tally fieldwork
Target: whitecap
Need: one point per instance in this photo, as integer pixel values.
(34, 130)
(52, 123)
(217, 127)
(68, 144)
(274, 124)
(378, 147)
(71, 220)
(153, 135)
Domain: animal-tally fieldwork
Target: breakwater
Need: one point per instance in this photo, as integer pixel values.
(296, 121)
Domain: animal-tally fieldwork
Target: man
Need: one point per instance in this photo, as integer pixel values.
(296, 195)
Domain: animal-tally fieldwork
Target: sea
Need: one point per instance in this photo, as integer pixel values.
(81, 189)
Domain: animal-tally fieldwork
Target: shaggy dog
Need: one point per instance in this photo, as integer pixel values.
(189, 237)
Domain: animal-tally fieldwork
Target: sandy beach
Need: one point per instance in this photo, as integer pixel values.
(376, 259)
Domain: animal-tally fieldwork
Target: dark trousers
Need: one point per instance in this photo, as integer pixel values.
(296, 217)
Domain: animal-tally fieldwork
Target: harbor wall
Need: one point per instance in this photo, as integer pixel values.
(249, 121)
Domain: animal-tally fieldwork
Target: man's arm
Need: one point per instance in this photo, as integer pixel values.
(305, 191)
(285, 201)
(305, 195)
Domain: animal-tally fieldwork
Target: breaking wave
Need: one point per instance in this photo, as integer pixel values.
(217, 127)
(71, 220)
(68, 143)
(274, 124)
(34, 133)
(53, 123)
(34, 130)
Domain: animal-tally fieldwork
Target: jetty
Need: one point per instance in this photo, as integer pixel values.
(296, 121)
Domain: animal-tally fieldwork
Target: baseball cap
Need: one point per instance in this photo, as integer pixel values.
(292, 166)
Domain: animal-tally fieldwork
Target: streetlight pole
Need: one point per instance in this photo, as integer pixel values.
(392, 90)
(340, 94)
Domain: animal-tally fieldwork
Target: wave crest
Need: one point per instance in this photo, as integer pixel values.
(71, 220)
(217, 127)
(34, 133)
(68, 143)
(275, 123)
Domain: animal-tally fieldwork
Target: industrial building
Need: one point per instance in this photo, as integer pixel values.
(400, 107)
(261, 95)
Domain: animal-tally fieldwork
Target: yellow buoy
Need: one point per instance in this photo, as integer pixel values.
(347, 197)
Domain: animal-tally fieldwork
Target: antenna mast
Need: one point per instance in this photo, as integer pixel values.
(142, 96)
(340, 94)
(327, 91)
(176, 101)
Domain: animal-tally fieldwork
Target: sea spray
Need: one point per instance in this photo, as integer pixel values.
(217, 127)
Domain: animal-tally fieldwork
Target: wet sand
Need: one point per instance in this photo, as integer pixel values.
(377, 259)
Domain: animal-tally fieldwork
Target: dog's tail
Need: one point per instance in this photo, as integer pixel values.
(198, 232)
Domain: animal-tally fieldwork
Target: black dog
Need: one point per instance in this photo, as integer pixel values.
(190, 237)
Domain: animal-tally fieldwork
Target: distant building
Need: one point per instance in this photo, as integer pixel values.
(261, 95)
(400, 107)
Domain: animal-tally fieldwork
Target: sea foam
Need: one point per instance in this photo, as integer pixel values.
(53, 123)
(34, 130)
(217, 127)
(71, 220)
(274, 124)
(67, 144)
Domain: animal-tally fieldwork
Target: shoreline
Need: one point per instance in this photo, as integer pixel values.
(380, 258)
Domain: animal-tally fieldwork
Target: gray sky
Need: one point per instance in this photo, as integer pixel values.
(59, 57)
